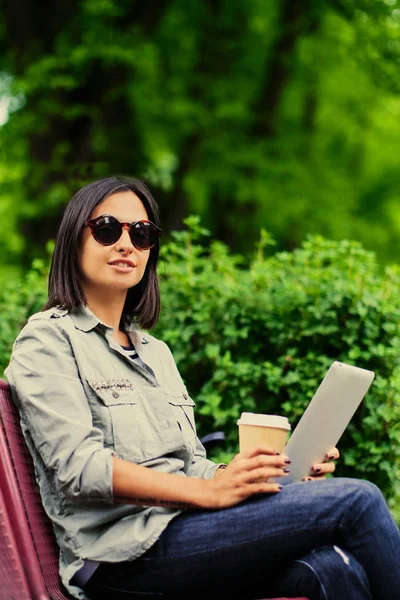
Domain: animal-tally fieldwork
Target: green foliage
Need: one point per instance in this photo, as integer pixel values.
(282, 113)
(258, 335)
(19, 299)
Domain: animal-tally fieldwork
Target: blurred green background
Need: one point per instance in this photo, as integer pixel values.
(271, 121)
(283, 114)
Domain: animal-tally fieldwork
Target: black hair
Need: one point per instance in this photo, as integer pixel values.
(65, 290)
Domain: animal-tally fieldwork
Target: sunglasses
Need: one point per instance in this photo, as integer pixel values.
(107, 230)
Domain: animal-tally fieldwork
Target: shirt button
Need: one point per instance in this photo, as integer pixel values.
(115, 394)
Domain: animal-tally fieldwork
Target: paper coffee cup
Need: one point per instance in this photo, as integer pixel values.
(268, 430)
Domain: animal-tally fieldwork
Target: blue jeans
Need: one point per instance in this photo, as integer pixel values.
(326, 540)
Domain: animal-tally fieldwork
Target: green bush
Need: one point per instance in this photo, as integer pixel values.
(258, 335)
(20, 298)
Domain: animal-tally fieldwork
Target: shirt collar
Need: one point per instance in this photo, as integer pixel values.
(84, 320)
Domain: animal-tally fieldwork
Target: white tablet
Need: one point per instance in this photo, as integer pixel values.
(325, 418)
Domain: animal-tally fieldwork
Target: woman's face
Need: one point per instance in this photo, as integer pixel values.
(100, 273)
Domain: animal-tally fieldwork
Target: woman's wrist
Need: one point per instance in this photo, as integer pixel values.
(219, 470)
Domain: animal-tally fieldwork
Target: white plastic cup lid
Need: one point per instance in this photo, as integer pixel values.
(264, 420)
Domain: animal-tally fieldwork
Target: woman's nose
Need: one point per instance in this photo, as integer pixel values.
(124, 243)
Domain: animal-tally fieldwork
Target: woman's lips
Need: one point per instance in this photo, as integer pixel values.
(123, 269)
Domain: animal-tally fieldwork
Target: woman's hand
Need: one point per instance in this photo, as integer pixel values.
(321, 469)
(246, 475)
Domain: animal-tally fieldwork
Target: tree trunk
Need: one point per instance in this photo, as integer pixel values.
(216, 53)
(294, 22)
(32, 30)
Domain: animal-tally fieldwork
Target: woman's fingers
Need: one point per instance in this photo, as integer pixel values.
(263, 460)
(332, 454)
(319, 471)
(323, 469)
(257, 458)
(263, 487)
(256, 451)
(264, 473)
(248, 474)
(261, 466)
(326, 467)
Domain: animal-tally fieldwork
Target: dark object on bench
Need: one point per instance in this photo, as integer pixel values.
(212, 440)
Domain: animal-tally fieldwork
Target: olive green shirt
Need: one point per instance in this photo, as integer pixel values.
(82, 400)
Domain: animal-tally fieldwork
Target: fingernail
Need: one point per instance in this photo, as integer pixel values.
(331, 456)
(316, 469)
(307, 479)
(280, 487)
(287, 460)
(286, 470)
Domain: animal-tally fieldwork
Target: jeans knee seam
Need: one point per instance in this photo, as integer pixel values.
(303, 562)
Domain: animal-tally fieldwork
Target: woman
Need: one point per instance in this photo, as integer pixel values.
(138, 510)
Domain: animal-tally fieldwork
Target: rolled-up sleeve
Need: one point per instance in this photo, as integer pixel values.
(55, 414)
(201, 466)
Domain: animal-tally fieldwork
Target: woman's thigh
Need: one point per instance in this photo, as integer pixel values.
(301, 517)
(203, 550)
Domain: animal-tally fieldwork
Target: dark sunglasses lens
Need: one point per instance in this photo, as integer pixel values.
(107, 231)
(143, 235)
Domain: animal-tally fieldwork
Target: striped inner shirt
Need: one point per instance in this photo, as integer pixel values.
(133, 355)
(131, 352)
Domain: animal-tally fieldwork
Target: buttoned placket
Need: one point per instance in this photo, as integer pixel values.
(86, 321)
(150, 377)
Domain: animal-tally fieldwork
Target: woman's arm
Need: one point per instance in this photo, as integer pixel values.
(57, 419)
(55, 414)
(245, 475)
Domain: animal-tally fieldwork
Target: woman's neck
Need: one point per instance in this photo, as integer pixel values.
(109, 312)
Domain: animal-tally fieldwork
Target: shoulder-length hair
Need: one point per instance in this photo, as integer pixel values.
(65, 290)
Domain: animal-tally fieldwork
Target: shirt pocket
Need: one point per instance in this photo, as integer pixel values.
(183, 410)
(140, 425)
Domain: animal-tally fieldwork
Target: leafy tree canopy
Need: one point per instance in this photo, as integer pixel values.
(282, 114)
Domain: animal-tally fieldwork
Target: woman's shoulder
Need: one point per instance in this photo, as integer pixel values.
(43, 322)
(144, 338)
(46, 334)
(149, 343)
(46, 315)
